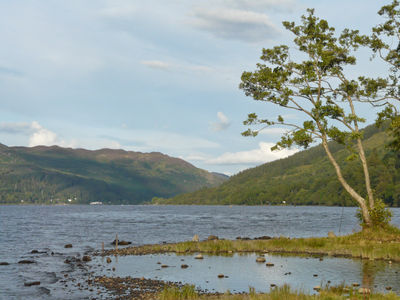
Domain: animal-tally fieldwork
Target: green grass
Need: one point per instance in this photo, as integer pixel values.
(279, 293)
(368, 244)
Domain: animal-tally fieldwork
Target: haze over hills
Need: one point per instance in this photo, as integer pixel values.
(54, 175)
(307, 178)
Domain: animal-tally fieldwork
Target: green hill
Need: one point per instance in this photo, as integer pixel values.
(307, 178)
(54, 175)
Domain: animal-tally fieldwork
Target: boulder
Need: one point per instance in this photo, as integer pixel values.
(199, 256)
(212, 238)
(32, 283)
(221, 275)
(26, 261)
(86, 258)
(260, 259)
(195, 238)
(317, 288)
(121, 243)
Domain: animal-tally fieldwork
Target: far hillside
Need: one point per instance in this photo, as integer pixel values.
(307, 178)
(62, 175)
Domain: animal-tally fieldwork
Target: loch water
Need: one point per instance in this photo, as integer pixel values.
(48, 228)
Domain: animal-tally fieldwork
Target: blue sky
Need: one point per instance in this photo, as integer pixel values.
(149, 75)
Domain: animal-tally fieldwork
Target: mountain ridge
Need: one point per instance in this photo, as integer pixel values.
(53, 174)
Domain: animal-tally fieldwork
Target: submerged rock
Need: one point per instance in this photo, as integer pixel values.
(4, 263)
(68, 246)
(260, 259)
(184, 266)
(32, 283)
(121, 243)
(26, 261)
(86, 258)
(269, 264)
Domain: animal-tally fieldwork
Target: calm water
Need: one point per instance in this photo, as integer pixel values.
(49, 228)
(243, 271)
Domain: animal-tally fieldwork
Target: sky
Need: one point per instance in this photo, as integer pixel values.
(150, 76)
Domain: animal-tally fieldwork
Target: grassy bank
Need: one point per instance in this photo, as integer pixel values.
(379, 244)
(280, 293)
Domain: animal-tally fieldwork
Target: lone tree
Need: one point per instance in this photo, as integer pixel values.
(318, 88)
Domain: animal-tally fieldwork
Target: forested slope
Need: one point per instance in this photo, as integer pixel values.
(307, 178)
(54, 175)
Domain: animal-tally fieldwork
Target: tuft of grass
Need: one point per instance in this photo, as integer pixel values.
(381, 243)
(186, 292)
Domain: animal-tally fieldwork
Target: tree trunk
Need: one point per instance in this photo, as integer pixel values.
(366, 173)
(361, 201)
(362, 158)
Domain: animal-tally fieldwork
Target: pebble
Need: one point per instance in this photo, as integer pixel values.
(269, 264)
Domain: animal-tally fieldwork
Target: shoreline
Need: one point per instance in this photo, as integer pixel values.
(380, 245)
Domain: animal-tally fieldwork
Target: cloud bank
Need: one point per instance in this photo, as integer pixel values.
(257, 156)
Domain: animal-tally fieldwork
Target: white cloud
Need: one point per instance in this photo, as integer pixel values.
(257, 156)
(156, 64)
(235, 24)
(222, 124)
(42, 136)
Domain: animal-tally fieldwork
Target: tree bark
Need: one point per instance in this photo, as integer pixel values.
(361, 201)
